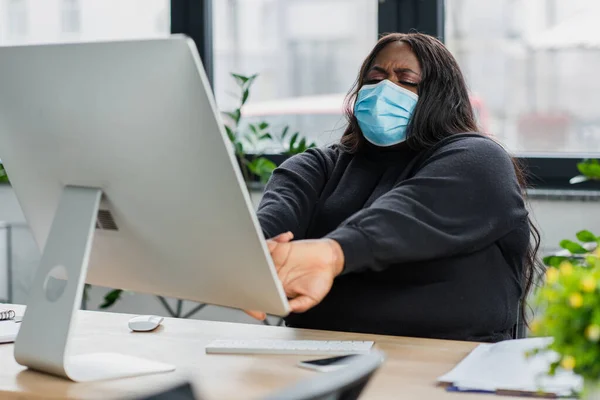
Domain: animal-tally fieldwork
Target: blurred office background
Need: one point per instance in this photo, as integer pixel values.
(531, 66)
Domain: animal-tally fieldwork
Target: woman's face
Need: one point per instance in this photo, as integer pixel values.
(399, 64)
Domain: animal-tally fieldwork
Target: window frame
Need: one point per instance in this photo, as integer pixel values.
(545, 171)
(193, 18)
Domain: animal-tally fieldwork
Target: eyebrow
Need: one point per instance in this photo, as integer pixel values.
(378, 69)
(403, 70)
(397, 70)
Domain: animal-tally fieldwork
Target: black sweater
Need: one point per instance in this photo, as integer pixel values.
(434, 242)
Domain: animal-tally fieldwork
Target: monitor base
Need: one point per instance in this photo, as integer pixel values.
(43, 340)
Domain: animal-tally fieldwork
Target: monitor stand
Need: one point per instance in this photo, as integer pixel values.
(43, 340)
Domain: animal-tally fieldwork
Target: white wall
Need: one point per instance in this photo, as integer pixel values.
(557, 219)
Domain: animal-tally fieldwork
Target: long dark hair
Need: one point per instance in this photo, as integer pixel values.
(443, 109)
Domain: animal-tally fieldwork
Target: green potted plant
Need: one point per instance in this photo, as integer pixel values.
(258, 167)
(589, 170)
(254, 166)
(568, 304)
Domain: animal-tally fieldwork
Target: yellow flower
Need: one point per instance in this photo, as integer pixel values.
(568, 362)
(566, 268)
(588, 284)
(576, 300)
(592, 332)
(551, 275)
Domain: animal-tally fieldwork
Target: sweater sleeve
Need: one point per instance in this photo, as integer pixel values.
(464, 198)
(293, 192)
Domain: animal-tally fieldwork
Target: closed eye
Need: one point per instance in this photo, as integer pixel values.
(411, 84)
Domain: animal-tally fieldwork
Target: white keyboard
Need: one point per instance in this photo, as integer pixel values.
(301, 347)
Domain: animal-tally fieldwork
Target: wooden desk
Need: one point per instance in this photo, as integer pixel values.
(409, 372)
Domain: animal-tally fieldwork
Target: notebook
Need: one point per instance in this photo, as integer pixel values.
(503, 368)
(8, 331)
(7, 314)
(9, 326)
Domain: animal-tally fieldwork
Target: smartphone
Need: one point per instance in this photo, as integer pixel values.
(326, 364)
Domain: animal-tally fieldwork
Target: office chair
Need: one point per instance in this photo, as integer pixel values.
(518, 331)
(344, 384)
(182, 391)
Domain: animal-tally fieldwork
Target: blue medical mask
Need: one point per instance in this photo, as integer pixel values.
(383, 111)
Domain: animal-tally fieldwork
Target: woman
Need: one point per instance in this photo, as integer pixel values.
(414, 224)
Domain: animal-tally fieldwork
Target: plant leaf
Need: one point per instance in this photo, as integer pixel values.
(583, 167)
(3, 175)
(590, 168)
(293, 140)
(239, 148)
(266, 136)
(302, 146)
(594, 171)
(245, 95)
(253, 128)
(574, 248)
(111, 298)
(251, 139)
(263, 125)
(250, 81)
(235, 115)
(578, 179)
(254, 166)
(554, 261)
(285, 132)
(230, 133)
(586, 237)
(262, 167)
(240, 79)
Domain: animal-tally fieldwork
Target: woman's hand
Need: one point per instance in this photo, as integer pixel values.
(281, 238)
(306, 269)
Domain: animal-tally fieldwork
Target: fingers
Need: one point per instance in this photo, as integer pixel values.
(261, 316)
(272, 245)
(283, 237)
(302, 303)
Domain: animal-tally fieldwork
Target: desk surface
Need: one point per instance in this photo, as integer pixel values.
(409, 372)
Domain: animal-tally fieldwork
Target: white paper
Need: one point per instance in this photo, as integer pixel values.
(504, 366)
(8, 331)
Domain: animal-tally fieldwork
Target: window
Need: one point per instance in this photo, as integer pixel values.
(51, 21)
(71, 16)
(532, 69)
(307, 54)
(17, 20)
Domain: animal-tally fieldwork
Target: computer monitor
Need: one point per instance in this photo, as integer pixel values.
(117, 154)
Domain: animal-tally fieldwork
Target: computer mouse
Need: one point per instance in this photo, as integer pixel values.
(145, 323)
